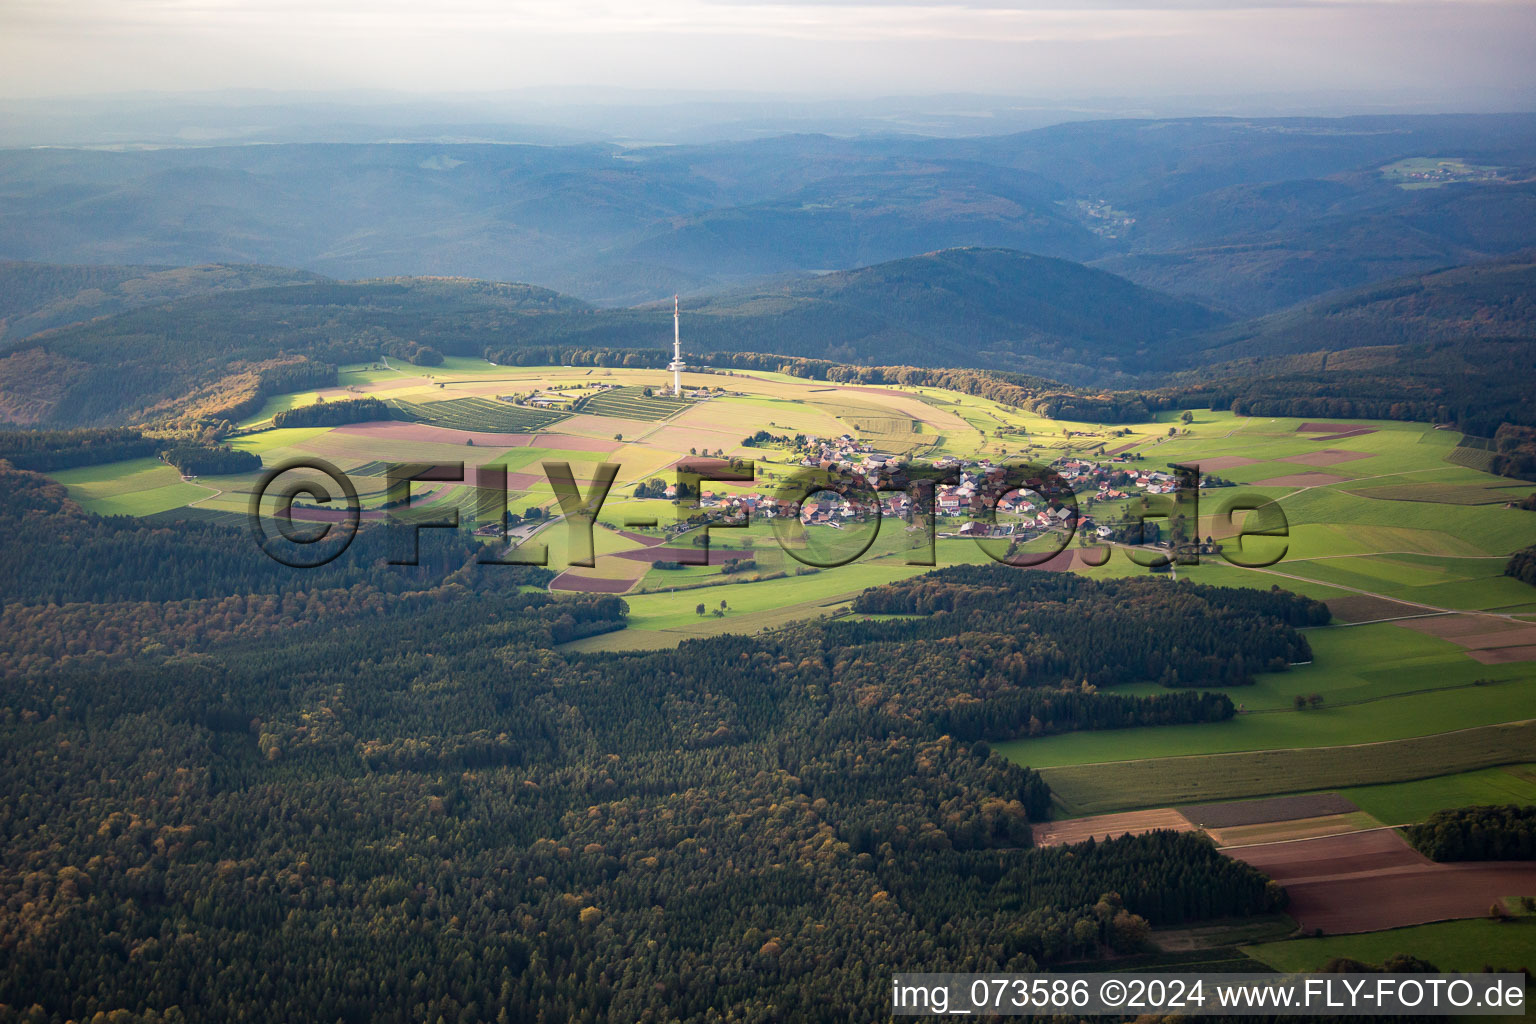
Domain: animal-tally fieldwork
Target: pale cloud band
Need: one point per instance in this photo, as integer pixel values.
(984, 45)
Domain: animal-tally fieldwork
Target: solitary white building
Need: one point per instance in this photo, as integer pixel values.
(677, 366)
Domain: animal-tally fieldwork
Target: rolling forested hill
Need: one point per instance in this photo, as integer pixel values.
(212, 353)
(988, 308)
(37, 296)
(982, 308)
(1488, 300)
(976, 307)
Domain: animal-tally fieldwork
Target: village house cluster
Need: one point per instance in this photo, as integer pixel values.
(978, 485)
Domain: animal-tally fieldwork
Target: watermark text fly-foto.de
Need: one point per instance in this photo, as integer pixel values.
(917, 488)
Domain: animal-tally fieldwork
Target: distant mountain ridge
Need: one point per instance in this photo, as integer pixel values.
(35, 296)
(1248, 214)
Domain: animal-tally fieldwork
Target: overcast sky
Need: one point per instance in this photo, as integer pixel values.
(1444, 49)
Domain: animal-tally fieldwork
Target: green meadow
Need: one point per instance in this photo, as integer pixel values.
(1405, 802)
(1450, 945)
(1167, 781)
(661, 611)
(1378, 682)
(136, 487)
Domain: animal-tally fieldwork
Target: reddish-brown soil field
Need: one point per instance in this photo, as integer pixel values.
(1259, 812)
(1440, 892)
(1108, 826)
(1453, 627)
(568, 581)
(639, 538)
(1521, 636)
(1367, 881)
(1368, 608)
(1503, 655)
(1302, 480)
(1061, 562)
(688, 556)
(1311, 860)
(1333, 431)
(1327, 457)
(1487, 639)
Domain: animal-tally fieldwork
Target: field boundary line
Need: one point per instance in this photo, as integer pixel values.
(1372, 593)
(1264, 750)
(1313, 839)
(1387, 696)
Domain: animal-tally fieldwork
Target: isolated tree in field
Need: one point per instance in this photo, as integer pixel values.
(1301, 703)
(1314, 700)
(700, 608)
(1187, 417)
(723, 605)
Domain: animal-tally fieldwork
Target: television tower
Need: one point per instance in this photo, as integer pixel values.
(677, 366)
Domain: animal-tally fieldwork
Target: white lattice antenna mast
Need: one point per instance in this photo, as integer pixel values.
(677, 367)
